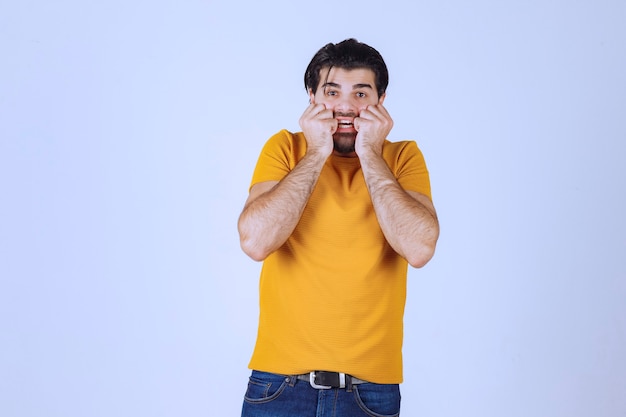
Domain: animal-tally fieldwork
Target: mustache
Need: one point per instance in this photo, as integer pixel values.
(341, 114)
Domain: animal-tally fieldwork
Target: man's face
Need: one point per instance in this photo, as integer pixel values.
(346, 93)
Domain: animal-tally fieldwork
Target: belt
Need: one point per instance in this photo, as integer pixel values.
(328, 380)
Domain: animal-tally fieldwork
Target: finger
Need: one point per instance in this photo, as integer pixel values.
(362, 122)
(325, 113)
(374, 112)
(378, 115)
(383, 111)
(313, 109)
(311, 113)
(334, 124)
(368, 114)
(364, 118)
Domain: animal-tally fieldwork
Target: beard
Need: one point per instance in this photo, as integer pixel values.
(344, 142)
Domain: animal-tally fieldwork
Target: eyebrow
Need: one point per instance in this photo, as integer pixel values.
(354, 87)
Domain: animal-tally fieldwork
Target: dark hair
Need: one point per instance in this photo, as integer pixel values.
(348, 54)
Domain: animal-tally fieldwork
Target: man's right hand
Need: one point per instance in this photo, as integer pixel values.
(318, 125)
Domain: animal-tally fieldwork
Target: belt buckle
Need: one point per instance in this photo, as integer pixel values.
(342, 381)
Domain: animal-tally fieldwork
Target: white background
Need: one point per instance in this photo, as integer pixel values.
(128, 135)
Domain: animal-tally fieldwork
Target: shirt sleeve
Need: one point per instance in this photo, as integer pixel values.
(278, 157)
(410, 169)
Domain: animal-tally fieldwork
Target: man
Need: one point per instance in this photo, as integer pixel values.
(336, 213)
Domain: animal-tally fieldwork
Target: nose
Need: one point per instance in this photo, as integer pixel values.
(346, 104)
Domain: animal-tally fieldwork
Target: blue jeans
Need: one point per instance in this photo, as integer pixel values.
(272, 395)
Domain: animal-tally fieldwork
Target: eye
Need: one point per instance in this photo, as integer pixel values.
(361, 94)
(331, 93)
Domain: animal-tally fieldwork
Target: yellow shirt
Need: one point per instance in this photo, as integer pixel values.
(332, 297)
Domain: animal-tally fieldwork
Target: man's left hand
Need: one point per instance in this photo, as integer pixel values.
(373, 126)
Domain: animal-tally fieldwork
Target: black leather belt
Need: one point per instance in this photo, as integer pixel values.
(328, 380)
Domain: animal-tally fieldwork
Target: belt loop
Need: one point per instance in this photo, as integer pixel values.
(348, 383)
(291, 380)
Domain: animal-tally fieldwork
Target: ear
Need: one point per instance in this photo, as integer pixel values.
(382, 98)
(311, 96)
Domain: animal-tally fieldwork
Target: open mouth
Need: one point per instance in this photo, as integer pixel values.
(345, 124)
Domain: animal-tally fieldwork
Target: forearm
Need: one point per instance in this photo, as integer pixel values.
(409, 225)
(268, 220)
